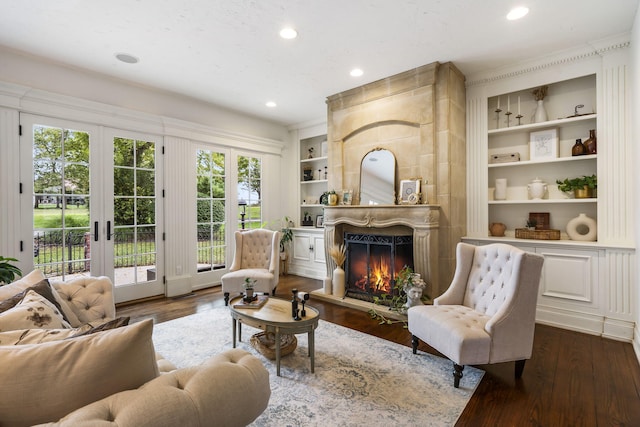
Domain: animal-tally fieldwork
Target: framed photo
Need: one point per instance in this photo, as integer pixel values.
(407, 188)
(541, 220)
(347, 196)
(319, 221)
(543, 144)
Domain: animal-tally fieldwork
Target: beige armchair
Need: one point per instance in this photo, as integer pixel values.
(256, 256)
(488, 313)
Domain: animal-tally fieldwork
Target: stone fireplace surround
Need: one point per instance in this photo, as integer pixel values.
(418, 115)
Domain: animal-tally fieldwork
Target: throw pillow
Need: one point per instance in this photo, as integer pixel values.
(7, 291)
(48, 381)
(43, 288)
(113, 324)
(33, 311)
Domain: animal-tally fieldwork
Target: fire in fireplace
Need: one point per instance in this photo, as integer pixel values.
(373, 261)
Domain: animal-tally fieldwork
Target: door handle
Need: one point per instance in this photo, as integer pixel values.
(95, 231)
(108, 230)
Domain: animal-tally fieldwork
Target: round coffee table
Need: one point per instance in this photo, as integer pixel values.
(275, 316)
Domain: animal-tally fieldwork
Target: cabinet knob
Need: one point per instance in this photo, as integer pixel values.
(311, 248)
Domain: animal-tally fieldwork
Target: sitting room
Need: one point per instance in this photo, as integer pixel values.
(282, 213)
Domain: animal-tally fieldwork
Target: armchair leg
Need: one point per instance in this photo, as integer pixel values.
(273, 292)
(457, 374)
(414, 344)
(519, 368)
(226, 298)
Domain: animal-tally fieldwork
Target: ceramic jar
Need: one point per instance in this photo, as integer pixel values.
(497, 229)
(582, 228)
(537, 189)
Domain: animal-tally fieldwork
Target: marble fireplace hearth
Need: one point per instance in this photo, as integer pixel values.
(422, 220)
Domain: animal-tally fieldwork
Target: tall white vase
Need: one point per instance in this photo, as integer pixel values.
(338, 282)
(541, 113)
(500, 192)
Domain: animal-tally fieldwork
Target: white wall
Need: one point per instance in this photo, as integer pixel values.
(635, 136)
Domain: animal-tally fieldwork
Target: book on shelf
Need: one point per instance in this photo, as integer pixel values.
(257, 302)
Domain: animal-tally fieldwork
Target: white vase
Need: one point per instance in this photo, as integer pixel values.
(500, 192)
(541, 113)
(326, 286)
(338, 282)
(582, 228)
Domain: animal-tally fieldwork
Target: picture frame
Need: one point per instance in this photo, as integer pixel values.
(541, 219)
(347, 197)
(543, 144)
(319, 221)
(408, 187)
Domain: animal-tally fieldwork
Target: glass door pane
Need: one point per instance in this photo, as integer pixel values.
(210, 210)
(61, 201)
(134, 201)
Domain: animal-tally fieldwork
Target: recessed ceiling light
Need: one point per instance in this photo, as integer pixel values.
(517, 13)
(356, 72)
(271, 104)
(125, 57)
(288, 33)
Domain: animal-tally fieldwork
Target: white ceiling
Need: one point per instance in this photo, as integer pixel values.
(228, 52)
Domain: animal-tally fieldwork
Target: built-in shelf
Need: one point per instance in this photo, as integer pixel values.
(314, 159)
(540, 162)
(542, 201)
(314, 181)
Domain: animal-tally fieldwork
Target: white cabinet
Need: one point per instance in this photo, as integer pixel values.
(307, 253)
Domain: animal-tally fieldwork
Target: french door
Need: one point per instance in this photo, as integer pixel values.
(91, 205)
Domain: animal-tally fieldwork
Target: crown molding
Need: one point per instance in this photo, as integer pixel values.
(590, 50)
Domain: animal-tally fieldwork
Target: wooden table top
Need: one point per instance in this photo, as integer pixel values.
(276, 311)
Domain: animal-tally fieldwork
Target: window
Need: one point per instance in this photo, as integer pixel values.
(249, 192)
(210, 210)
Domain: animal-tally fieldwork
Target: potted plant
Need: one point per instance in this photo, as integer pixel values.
(248, 286)
(582, 187)
(286, 234)
(8, 271)
(531, 224)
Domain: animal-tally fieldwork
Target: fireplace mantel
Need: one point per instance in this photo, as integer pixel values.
(422, 219)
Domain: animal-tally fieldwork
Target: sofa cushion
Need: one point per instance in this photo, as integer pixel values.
(89, 298)
(47, 381)
(113, 324)
(39, 336)
(34, 311)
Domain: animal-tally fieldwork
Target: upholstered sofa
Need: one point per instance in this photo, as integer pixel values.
(75, 364)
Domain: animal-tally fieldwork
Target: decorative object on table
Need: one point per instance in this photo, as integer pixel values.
(500, 192)
(304, 299)
(539, 94)
(408, 292)
(347, 197)
(540, 220)
(249, 285)
(583, 187)
(8, 271)
(543, 144)
(578, 148)
(497, 229)
(537, 189)
(338, 254)
(591, 144)
(295, 312)
(256, 302)
(582, 228)
(504, 158)
(408, 187)
(319, 221)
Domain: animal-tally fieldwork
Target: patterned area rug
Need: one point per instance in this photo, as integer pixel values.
(359, 379)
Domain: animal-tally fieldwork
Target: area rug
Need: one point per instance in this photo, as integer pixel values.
(359, 379)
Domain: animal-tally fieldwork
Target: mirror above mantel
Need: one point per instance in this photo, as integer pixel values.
(378, 178)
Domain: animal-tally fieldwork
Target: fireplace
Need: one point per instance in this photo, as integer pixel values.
(373, 261)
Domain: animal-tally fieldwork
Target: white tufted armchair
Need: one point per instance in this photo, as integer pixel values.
(488, 313)
(256, 257)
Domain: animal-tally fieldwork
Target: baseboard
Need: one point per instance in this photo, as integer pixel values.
(620, 330)
(593, 324)
(636, 343)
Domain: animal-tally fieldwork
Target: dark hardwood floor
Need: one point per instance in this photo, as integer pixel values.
(572, 379)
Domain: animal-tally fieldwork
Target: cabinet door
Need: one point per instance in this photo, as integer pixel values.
(318, 249)
(302, 247)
